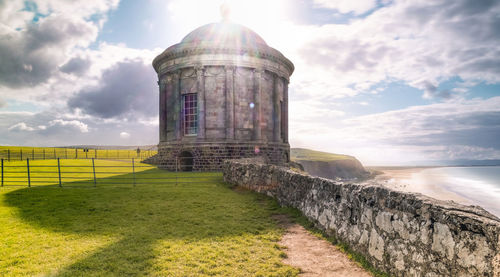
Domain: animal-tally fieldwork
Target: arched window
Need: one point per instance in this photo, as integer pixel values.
(190, 113)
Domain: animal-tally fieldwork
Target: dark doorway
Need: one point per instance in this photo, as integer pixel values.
(186, 161)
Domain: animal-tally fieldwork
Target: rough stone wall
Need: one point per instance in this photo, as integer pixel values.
(210, 157)
(244, 94)
(216, 106)
(404, 234)
(215, 85)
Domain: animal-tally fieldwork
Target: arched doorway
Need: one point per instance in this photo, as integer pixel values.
(186, 161)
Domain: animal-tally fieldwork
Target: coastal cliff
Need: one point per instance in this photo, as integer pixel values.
(328, 165)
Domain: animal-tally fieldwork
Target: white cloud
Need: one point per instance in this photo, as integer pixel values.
(53, 129)
(21, 126)
(347, 6)
(462, 129)
(124, 135)
(78, 125)
(32, 56)
(419, 43)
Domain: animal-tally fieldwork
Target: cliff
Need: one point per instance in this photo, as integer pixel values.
(328, 165)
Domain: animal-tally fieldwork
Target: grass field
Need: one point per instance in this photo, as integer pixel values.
(312, 155)
(42, 153)
(75, 172)
(202, 229)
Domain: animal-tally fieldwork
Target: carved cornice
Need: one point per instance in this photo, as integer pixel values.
(210, 71)
(182, 50)
(229, 68)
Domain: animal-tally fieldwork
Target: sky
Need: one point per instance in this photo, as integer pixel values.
(390, 82)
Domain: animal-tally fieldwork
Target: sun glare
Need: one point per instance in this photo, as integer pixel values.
(262, 16)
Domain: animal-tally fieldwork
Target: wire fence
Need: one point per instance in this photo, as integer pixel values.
(42, 153)
(93, 173)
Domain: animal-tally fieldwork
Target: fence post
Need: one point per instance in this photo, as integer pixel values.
(2, 172)
(28, 167)
(21, 151)
(133, 170)
(66, 151)
(44, 153)
(93, 169)
(95, 153)
(33, 153)
(8, 155)
(55, 155)
(76, 153)
(59, 171)
(176, 169)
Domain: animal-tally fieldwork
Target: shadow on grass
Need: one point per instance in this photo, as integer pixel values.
(139, 217)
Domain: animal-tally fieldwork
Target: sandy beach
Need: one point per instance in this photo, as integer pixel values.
(407, 179)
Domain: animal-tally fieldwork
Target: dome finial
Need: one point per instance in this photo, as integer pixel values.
(225, 11)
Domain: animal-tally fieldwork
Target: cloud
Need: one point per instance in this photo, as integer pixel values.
(77, 66)
(21, 126)
(414, 42)
(126, 90)
(54, 129)
(3, 103)
(69, 124)
(81, 8)
(459, 129)
(347, 6)
(31, 56)
(53, 126)
(124, 135)
(431, 91)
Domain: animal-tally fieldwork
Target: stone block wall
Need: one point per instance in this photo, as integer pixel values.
(404, 234)
(211, 156)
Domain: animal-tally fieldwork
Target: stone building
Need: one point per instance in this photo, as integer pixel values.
(223, 95)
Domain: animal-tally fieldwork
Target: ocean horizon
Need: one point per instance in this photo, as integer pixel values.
(474, 185)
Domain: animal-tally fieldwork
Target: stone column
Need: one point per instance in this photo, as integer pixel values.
(285, 106)
(276, 109)
(177, 104)
(257, 115)
(200, 84)
(229, 102)
(163, 109)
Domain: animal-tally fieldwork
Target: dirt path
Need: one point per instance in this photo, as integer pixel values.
(314, 256)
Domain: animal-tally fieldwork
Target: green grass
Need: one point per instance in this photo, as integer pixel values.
(298, 154)
(41, 153)
(74, 172)
(201, 229)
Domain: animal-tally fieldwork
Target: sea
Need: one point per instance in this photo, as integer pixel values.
(477, 185)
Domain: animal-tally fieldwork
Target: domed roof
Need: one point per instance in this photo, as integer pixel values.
(224, 34)
(230, 39)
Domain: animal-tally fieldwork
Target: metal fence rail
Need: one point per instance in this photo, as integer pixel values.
(93, 173)
(25, 153)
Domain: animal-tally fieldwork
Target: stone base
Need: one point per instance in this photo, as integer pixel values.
(210, 156)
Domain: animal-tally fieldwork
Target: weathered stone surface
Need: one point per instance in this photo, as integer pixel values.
(241, 89)
(404, 234)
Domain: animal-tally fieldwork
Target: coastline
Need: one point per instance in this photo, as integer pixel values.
(407, 179)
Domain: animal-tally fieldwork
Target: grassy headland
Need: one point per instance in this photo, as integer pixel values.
(298, 154)
(201, 229)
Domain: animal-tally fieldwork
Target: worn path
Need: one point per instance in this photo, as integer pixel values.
(314, 256)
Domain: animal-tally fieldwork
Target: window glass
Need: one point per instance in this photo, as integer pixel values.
(190, 113)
